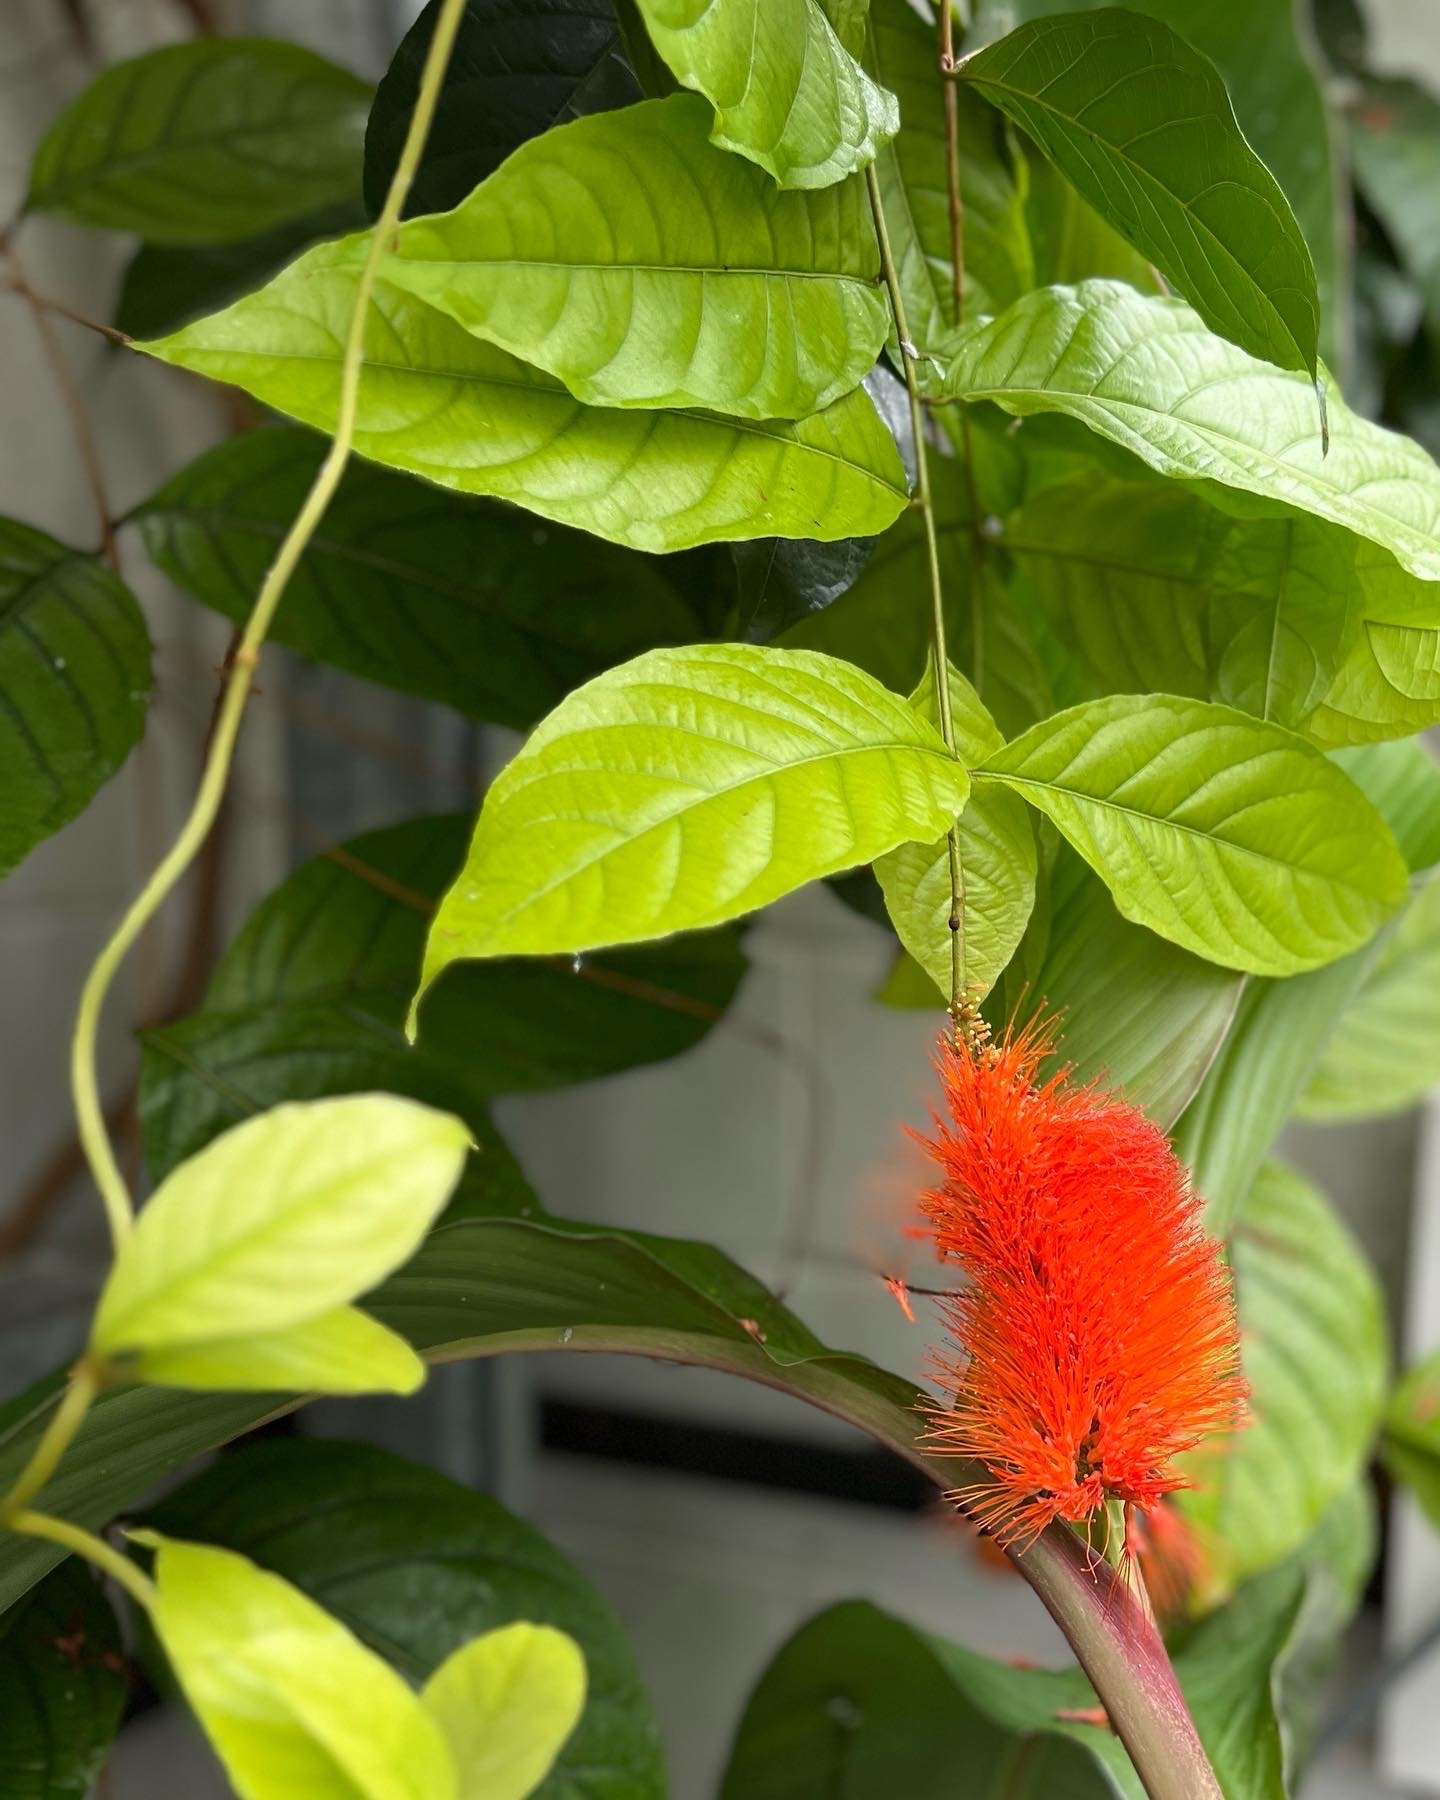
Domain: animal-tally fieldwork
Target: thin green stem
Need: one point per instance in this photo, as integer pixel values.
(962, 1010)
(94, 1139)
(95, 1550)
(57, 1438)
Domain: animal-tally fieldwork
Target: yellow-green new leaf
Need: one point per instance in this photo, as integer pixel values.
(341, 1352)
(278, 1222)
(1230, 836)
(996, 846)
(786, 92)
(507, 1702)
(689, 787)
(296, 1706)
(644, 267)
(438, 402)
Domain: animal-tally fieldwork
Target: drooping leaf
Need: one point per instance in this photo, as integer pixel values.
(74, 682)
(506, 1703)
(1280, 1032)
(168, 285)
(1385, 1055)
(786, 92)
(996, 848)
(1147, 375)
(62, 1688)
(1141, 1014)
(273, 1226)
(1314, 1352)
(200, 142)
(436, 595)
(290, 1699)
(310, 1000)
(1411, 1440)
(998, 262)
(437, 402)
(687, 788)
(641, 266)
(516, 68)
(1142, 125)
(417, 1566)
(1228, 836)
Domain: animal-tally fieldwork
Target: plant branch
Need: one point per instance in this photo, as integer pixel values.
(95, 1550)
(99, 1151)
(963, 1012)
(59, 1434)
(952, 161)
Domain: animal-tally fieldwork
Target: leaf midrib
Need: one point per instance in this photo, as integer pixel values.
(587, 266)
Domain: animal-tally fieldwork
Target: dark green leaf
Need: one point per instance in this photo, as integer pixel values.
(416, 1565)
(74, 682)
(1071, 241)
(517, 68)
(204, 141)
(1142, 125)
(780, 581)
(310, 999)
(62, 1688)
(462, 601)
(786, 92)
(437, 402)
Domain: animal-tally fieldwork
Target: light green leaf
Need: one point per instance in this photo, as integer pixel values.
(1411, 1441)
(1142, 125)
(785, 91)
(1385, 1055)
(644, 267)
(297, 1707)
(204, 141)
(1230, 837)
(432, 593)
(687, 788)
(439, 403)
(1313, 1347)
(1147, 375)
(340, 1352)
(278, 1222)
(506, 1703)
(998, 263)
(997, 864)
(74, 680)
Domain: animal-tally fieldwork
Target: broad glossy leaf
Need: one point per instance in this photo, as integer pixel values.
(641, 266)
(996, 847)
(506, 1703)
(62, 1688)
(1280, 1032)
(517, 68)
(786, 92)
(1141, 1014)
(1411, 1441)
(998, 262)
(1386, 1053)
(291, 1700)
(278, 1222)
(199, 142)
(310, 1000)
(1142, 125)
(1314, 1352)
(687, 788)
(1147, 375)
(74, 681)
(450, 598)
(416, 1566)
(437, 402)
(1230, 837)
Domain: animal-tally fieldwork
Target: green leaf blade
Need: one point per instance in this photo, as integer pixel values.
(680, 276)
(205, 141)
(506, 1703)
(786, 92)
(688, 788)
(1142, 125)
(436, 402)
(1232, 838)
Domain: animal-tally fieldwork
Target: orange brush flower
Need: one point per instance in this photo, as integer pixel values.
(1098, 1327)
